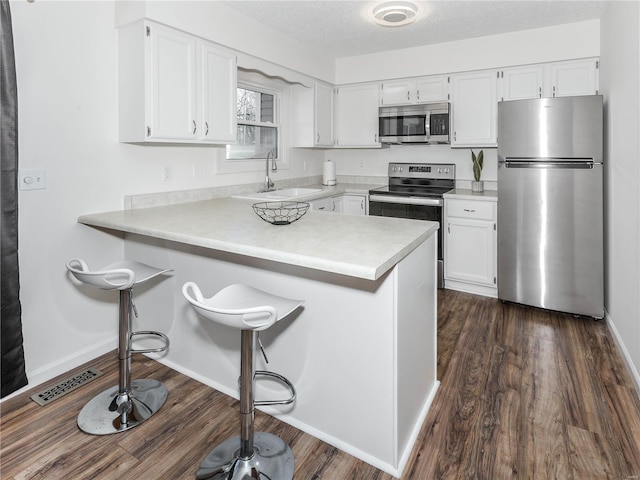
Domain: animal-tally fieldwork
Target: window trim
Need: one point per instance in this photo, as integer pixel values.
(281, 94)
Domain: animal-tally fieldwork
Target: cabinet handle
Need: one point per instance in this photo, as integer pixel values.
(418, 94)
(540, 92)
(408, 93)
(554, 90)
(469, 210)
(148, 131)
(194, 126)
(206, 124)
(455, 135)
(320, 208)
(449, 227)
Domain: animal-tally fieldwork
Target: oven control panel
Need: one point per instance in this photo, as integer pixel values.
(423, 170)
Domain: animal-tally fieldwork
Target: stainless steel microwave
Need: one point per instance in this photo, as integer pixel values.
(427, 123)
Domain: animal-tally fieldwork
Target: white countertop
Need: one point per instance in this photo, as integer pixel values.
(359, 246)
(467, 194)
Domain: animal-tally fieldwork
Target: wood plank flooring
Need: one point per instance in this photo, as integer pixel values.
(525, 394)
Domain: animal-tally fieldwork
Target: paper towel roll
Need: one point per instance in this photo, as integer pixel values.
(329, 173)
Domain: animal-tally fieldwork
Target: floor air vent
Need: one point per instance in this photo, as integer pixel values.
(65, 386)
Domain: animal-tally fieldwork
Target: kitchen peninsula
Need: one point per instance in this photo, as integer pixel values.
(362, 351)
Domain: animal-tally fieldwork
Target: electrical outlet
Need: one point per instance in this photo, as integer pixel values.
(167, 174)
(33, 179)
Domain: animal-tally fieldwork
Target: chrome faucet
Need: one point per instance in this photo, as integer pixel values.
(268, 183)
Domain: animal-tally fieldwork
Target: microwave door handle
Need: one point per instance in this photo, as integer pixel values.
(427, 125)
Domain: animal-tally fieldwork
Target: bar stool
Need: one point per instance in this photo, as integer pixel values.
(250, 455)
(131, 402)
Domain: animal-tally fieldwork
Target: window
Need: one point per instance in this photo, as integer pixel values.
(258, 124)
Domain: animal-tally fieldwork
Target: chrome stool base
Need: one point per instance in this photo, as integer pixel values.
(101, 417)
(272, 459)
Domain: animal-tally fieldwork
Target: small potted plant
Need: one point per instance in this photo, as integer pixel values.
(477, 185)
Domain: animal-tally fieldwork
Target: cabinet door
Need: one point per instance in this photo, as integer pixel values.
(354, 204)
(171, 85)
(337, 204)
(521, 83)
(475, 109)
(432, 89)
(574, 78)
(218, 122)
(323, 106)
(470, 251)
(322, 204)
(357, 116)
(398, 92)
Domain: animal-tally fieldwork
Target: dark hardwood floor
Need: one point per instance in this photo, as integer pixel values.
(525, 394)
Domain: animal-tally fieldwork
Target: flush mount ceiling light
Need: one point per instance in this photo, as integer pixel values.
(394, 14)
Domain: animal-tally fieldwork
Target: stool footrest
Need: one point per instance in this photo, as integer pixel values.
(277, 376)
(154, 334)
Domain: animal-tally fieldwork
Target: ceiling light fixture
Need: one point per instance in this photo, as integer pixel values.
(395, 14)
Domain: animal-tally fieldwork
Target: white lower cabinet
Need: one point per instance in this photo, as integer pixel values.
(354, 204)
(470, 246)
(322, 204)
(351, 203)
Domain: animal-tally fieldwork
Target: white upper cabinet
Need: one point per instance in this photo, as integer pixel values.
(415, 90)
(324, 104)
(576, 77)
(557, 79)
(219, 79)
(519, 83)
(432, 89)
(357, 116)
(173, 85)
(475, 109)
(313, 115)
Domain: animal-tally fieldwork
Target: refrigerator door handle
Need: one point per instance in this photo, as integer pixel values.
(588, 164)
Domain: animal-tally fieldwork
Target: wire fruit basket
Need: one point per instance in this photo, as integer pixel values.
(280, 213)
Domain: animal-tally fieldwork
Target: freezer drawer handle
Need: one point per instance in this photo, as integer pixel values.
(543, 164)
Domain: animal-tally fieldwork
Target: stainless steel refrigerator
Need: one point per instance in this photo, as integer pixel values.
(550, 204)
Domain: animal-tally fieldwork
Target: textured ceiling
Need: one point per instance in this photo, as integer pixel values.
(344, 28)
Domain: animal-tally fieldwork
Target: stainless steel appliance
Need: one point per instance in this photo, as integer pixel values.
(550, 204)
(415, 191)
(426, 123)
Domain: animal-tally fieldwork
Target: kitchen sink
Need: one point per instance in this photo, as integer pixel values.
(284, 194)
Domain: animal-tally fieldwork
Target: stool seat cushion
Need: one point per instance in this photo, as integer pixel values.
(116, 276)
(241, 306)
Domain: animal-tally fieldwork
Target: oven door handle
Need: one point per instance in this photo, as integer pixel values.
(436, 202)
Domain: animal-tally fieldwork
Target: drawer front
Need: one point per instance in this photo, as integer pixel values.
(470, 209)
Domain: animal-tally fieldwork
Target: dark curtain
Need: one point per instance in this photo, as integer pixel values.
(11, 350)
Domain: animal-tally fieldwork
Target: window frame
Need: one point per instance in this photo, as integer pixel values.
(281, 95)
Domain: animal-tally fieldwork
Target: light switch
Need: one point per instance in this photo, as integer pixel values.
(32, 179)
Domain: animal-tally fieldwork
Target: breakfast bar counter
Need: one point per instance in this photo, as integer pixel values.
(359, 246)
(362, 350)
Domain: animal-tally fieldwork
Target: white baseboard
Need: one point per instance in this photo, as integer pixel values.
(66, 364)
(635, 375)
(471, 288)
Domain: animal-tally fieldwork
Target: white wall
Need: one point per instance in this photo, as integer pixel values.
(562, 42)
(66, 60)
(620, 84)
